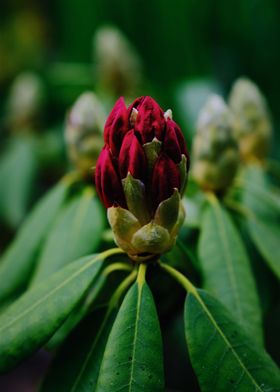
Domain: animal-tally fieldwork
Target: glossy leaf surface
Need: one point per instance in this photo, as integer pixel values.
(133, 356)
(30, 321)
(223, 356)
(76, 233)
(226, 268)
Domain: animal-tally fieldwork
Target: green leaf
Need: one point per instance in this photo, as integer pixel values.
(76, 233)
(226, 268)
(259, 195)
(17, 262)
(80, 372)
(17, 171)
(223, 357)
(263, 216)
(30, 321)
(133, 356)
(79, 312)
(266, 234)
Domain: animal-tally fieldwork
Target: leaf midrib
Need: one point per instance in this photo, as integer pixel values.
(139, 291)
(227, 342)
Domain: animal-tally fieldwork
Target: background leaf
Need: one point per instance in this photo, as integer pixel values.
(17, 171)
(223, 357)
(76, 233)
(226, 268)
(30, 321)
(18, 260)
(133, 356)
(79, 372)
(264, 216)
(265, 235)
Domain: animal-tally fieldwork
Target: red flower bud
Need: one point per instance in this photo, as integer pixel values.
(150, 120)
(166, 177)
(158, 165)
(145, 143)
(132, 158)
(174, 143)
(107, 180)
(116, 126)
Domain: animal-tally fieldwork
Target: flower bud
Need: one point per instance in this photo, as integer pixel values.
(25, 101)
(253, 125)
(83, 131)
(140, 176)
(215, 151)
(117, 63)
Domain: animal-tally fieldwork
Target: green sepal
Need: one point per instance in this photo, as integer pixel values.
(124, 224)
(168, 211)
(183, 173)
(179, 222)
(134, 191)
(151, 238)
(152, 150)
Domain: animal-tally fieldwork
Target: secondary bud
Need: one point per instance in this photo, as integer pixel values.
(145, 157)
(83, 131)
(253, 125)
(117, 63)
(215, 151)
(25, 102)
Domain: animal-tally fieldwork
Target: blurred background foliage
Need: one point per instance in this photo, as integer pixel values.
(189, 40)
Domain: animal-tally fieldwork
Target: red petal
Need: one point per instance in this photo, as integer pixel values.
(166, 177)
(171, 144)
(150, 121)
(132, 157)
(107, 180)
(174, 139)
(116, 126)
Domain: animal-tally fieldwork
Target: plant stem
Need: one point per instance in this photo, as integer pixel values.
(71, 177)
(212, 198)
(187, 285)
(141, 274)
(117, 267)
(110, 252)
(120, 290)
(238, 207)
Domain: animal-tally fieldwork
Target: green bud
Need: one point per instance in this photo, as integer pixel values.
(253, 125)
(83, 131)
(117, 63)
(215, 156)
(25, 101)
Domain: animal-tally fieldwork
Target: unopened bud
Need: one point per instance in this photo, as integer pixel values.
(140, 176)
(117, 63)
(83, 131)
(253, 125)
(25, 101)
(215, 151)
